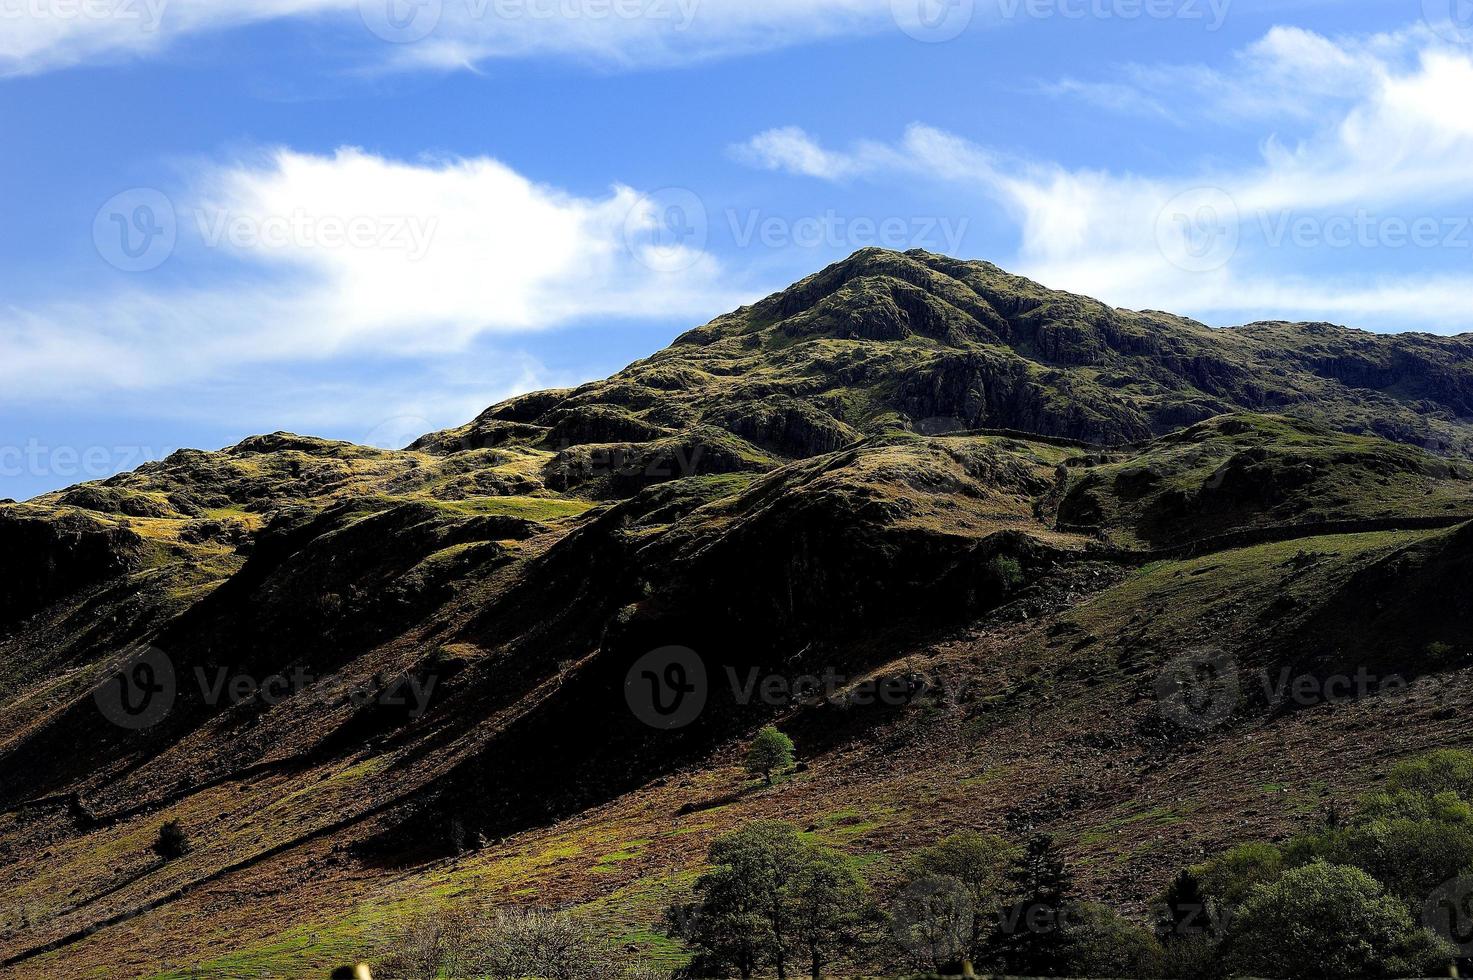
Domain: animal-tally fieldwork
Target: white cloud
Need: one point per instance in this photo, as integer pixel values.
(1382, 170)
(40, 35)
(316, 257)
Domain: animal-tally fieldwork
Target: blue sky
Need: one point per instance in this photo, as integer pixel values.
(366, 219)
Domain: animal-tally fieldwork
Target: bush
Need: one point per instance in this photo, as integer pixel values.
(1005, 573)
(1231, 876)
(501, 944)
(1444, 771)
(1409, 857)
(1099, 943)
(1329, 921)
(173, 842)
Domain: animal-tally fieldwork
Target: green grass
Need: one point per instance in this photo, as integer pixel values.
(541, 509)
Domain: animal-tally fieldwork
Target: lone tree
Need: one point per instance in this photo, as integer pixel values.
(172, 842)
(771, 750)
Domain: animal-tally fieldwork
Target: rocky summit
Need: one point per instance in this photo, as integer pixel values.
(960, 535)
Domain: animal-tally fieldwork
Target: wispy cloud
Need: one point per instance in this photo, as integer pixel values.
(308, 257)
(41, 35)
(1379, 169)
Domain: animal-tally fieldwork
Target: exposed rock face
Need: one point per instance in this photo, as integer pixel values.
(50, 557)
(884, 340)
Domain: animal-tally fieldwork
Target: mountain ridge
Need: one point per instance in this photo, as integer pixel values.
(883, 472)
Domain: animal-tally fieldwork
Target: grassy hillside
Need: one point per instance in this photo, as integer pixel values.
(1026, 508)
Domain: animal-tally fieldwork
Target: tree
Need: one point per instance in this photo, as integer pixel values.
(932, 921)
(979, 863)
(771, 896)
(1184, 911)
(743, 917)
(1410, 857)
(725, 925)
(770, 750)
(172, 842)
(830, 908)
(1329, 921)
(1032, 928)
(1099, 943)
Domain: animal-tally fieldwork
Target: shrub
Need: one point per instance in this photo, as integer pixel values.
(501, 944)
(1443, 771)
(1099, 943)
(1409, 857)
(1441, 654)
(1231, 876)
(1329, 921)
(173, 842)
(1005, 573)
